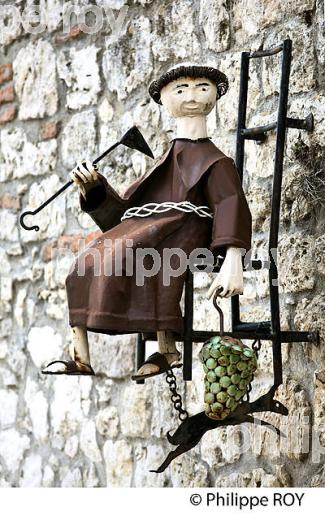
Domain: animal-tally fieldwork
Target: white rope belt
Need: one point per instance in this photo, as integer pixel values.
(152, 207)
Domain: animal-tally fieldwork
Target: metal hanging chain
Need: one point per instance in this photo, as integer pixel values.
(176, 399)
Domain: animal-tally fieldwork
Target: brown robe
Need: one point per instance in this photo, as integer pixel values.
(190, 170)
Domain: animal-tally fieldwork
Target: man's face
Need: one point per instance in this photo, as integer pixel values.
(189, 96)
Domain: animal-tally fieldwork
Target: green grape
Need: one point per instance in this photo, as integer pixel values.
(230, 402)
(216, 407)
(225, 351)
(215, 352)
(225, 381)
(215, 340)
(220, 371)
(206, 353)
(235, 379)
(231, 369)
(207, 408)
(209, 397)
(245, 373)
(237, 349)
(234, 358)
(211, 376)
(243, 384)
(239, 395)
(211, 363)
(241, 365)
(223, 361)
(222, 397)
(215, 388)
(232, 390)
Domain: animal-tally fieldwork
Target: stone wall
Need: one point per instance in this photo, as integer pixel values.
(68, 96)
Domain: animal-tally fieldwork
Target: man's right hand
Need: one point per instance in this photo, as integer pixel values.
(84, 175)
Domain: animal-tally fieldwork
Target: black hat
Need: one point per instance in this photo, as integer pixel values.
(194, 71)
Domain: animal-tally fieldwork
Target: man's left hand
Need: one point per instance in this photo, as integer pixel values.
(230, 276)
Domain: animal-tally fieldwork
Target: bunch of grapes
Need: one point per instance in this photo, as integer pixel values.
(229, 366)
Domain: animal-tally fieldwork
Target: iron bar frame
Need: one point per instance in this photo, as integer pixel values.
(264, 330)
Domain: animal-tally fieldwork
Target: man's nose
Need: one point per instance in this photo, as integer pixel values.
(190, 95)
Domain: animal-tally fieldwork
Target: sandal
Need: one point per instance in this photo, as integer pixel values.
(72, 369)
(157, 359)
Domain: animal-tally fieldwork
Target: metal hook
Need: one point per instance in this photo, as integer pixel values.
(132, 139)
(216, 294)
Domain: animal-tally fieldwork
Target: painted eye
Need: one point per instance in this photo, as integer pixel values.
(179, 92)
(204, 88)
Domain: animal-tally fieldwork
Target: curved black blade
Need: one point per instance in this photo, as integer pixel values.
(134, 139)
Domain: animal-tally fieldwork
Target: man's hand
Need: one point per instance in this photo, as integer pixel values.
(84, 175)
(230, 276)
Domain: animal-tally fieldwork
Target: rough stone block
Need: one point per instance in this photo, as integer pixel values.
(136, 411)
(215, 22)
(107, 422)
(35, 80)
(79, 70)
(12, 448)
(258, 477)
(78, 138)
(296, 262)
(37, 405)
(31, 475)
(88, 442)
(113, 356)
(23, 157)
(119, 463)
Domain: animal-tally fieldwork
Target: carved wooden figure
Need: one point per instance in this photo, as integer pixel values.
(206, 209)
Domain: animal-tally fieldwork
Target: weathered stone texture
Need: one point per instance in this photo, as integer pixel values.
(67, 95)
(35, 80)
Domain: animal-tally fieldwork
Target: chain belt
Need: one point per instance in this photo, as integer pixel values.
(161, 207)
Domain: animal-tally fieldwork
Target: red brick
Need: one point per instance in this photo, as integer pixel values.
(5, 72)
(7, 93)
(72, 241)
(49, 130)
(8, 114)
(92, 236)
(8, 201)
(48, 251)
(74, 33)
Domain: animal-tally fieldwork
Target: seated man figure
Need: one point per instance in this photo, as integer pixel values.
(206, 209)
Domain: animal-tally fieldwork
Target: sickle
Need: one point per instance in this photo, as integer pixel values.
(132, 139)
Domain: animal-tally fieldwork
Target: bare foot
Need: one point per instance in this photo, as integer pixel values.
(59, 366)
(151, 368)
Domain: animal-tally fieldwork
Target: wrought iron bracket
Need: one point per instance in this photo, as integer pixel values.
(259, 133)
(192, 429)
